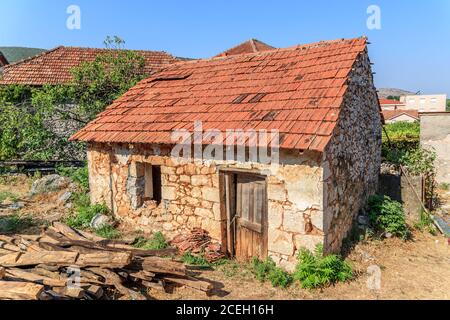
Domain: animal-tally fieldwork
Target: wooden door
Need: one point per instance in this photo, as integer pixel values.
(251, 217)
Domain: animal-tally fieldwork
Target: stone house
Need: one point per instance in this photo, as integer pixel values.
(320, 106)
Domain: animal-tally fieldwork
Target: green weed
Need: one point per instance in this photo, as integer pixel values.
(268, 271)
(314, 270)
(387, 216)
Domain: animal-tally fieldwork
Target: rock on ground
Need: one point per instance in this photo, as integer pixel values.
(100, 221)
(48, 184)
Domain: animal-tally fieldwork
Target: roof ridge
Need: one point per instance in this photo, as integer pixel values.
(267, 52)
(32, 57)
(113, 49)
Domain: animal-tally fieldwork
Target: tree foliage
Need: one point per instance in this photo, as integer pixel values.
(35, 123)
(399, 138)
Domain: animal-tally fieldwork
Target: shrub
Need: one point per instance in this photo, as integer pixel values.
(419, 161)
(78, 175)
(314, 270)
(268, 271)
(157, 242)
(387, 216)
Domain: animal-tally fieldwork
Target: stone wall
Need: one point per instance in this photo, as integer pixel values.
(352, 160)
(191, 198)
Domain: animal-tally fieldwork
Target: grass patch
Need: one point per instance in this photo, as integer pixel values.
(6, 195)
(15, 223)
(108, 232)
(8, 179)
(387, 216)
(195, 260)
(426, 224)
(268, 271)
(84, 211)
(157, 242)
(444, 186)
(314, 270)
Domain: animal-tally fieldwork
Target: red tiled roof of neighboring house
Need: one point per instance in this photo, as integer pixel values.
(298, 91)
(390, 102)
(250, 46)
(3, 61)
(54, 66)
(391, 114)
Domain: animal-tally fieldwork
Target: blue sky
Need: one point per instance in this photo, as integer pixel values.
(411, 51)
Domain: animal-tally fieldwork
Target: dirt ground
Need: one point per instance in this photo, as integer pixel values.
(416, 269)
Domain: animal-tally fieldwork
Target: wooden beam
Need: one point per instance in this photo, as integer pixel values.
(20, 290)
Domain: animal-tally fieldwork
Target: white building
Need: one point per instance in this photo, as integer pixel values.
(425, 103)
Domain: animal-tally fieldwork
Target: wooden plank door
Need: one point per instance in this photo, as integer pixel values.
(251, 217)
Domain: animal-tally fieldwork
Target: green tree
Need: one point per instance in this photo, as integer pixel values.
(394, 98)
(36, 123)
(448, 105)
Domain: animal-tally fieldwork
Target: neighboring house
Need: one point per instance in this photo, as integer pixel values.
(250, 46)
(15, 54)
(425, 103)
(435, 135)
(321, 100)
(54, 66)
(388, 104)
(391, 116)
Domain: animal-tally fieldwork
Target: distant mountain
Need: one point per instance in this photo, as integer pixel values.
(14, 54)
(383, 93)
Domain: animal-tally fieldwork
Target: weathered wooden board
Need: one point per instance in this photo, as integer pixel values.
(20, 290)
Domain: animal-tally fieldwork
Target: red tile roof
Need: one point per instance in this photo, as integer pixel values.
(391, 114)
(390, 102)
(250, 46)
(53, 67)
(298, 91)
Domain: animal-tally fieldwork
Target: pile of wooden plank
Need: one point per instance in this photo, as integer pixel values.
(64, 263)
(198, 242)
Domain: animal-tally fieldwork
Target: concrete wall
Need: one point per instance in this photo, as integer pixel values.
(435, 133)
(191, 197)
